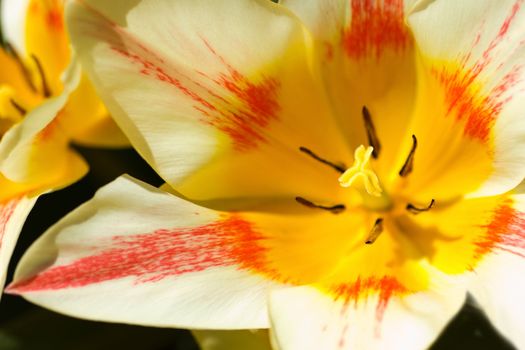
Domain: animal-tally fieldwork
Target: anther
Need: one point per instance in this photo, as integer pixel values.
(415, 210)
(19, 108)
(25, 72)
(409, 162)
(373, 140)
(339, 168)
(334, 209)
(45, 87)
(375, 232)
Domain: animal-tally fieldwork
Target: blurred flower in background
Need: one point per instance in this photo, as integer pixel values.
(43, 107)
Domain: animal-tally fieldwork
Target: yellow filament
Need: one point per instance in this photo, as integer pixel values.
(361, 169)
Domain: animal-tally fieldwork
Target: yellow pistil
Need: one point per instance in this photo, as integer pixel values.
(361, 169)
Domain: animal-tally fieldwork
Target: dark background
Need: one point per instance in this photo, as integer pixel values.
(24, 326)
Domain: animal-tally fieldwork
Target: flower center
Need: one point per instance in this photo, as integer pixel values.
(362, 178)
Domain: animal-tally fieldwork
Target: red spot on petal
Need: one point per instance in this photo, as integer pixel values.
(374, 27)
(55, 20)
(151, 257)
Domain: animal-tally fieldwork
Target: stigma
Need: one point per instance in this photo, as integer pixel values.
(361, 169)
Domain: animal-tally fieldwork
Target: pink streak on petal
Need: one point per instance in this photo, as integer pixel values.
(6, 211)
(155, 256)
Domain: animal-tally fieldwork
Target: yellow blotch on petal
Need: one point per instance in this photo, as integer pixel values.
(361, 169)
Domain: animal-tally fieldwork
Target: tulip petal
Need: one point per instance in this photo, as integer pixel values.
(46, 38)
(13, 213)
(457, 237)
(366, 51)
(498, 284)
(136, 254)
(222, 103)
(498, 288)
(410, 322)
(474, 49)
(36, 150)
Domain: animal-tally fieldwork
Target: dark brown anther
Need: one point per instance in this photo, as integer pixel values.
(415, 210)
(409, 162)
(375, 232)
(19, 108)
(373, 140)
(25, 72)
(339, 168)
(334, 209)
(45, 87)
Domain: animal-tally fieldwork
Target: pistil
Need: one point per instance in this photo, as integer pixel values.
(361, 169)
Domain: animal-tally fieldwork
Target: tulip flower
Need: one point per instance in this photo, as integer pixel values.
(42, 109)
(341, 172)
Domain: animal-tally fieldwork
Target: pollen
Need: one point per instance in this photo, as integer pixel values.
(361, 169)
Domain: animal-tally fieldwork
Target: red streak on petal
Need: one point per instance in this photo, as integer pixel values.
(466, 102)
(376, 26)
(154, 256)
(237, 106)
(6, 211)
(464, 98)
(505, 232)
(385, 287)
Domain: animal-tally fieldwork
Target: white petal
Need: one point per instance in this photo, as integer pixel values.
(484, 39)
(207, 97)
(305, 318)
(499, 283)
(13, 214)
(135, 254)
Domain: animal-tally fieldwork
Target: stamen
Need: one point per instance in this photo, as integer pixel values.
(19, 108)
(335, 209)
(338, 168)
(361, 169)
(409, 162)
(373, 140)
(415, 210)
(45, 87)
(375, 232)
(25, 72)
